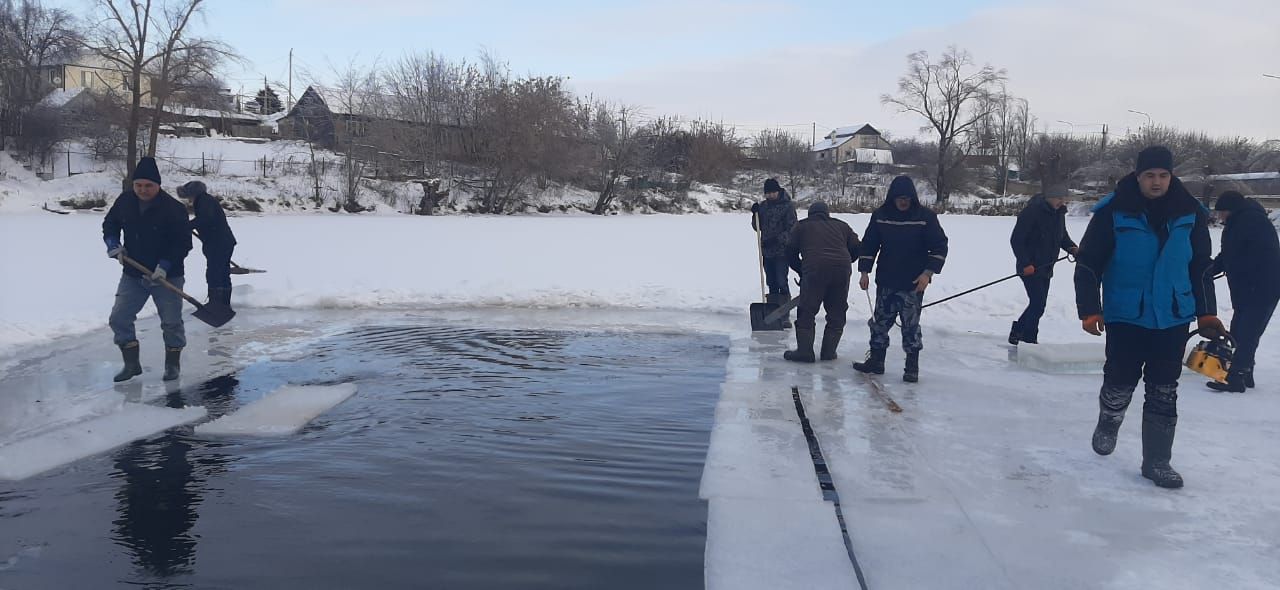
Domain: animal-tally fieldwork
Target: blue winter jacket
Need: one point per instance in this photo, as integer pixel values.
(1155, 277)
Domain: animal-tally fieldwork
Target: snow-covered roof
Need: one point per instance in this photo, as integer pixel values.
(212, 113)
(851, 130)
(1248, 176)
(342, 102)
(59, 98)
(191, 125)
(829, 143)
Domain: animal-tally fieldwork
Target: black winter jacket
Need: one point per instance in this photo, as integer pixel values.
(822, 242)
(161, 233)
(211, 222)
(906, 242)
(776, 219)
(1250, 256)
(1040, 233)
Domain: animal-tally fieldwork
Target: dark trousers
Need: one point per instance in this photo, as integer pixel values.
(1037, 288)
(1134, 353)
(1247, 325)
(217, 272)
(775, 275)
(828, 288)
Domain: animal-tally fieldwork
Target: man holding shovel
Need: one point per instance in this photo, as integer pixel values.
(157, 236)
(216, 240)
(773, 219)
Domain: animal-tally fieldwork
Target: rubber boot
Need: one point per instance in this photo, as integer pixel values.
(804, 346)
(911, 372)
(1247, 373)
(830, 341)
(1113, 400)
(172, 366)
(131, 365)
(1014, 334)
(220, 295)
(1159, 421)
(873, 364)
(1235, 382)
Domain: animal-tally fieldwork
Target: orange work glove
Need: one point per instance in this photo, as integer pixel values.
(1093, 324)
(1211, 327)
(1028, 270)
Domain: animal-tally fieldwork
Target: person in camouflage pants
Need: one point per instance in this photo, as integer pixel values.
(890, 306)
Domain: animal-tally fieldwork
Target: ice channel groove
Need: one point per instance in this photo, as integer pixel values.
(825, 483)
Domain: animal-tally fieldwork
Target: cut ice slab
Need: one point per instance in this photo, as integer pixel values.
(282, 412)
(30, 456)
(1074, 358)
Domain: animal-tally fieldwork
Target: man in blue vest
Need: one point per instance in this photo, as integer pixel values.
(1148, 250)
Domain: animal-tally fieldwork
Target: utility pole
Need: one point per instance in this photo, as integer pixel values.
(289, 99)
(813, 137)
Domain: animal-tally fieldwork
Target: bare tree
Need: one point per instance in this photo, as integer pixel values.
(183, 63)
(31, 37)
(953, 95)
(617, 141)
(784, 153)
(138, 36)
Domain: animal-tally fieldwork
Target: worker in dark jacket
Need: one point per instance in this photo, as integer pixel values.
(911, 247)
(1148, 250)
(822, 250)
(1251, 258)
(217, 241)
(1041, 232)
(156, 235)
(776, 215)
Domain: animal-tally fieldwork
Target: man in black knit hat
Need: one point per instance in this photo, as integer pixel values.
(156, 235)
(774, 218)
(1251, 258)
(1148, 251)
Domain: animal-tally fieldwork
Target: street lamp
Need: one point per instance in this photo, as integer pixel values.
(1143, 114)
(1271, 76)
(1069, 124)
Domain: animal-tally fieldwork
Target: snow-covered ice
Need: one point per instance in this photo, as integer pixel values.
(985, 480)
(279, 413)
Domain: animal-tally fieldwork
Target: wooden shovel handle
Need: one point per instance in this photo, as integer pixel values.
(166, 283)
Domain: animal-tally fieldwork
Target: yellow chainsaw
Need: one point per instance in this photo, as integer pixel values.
(1212, 358)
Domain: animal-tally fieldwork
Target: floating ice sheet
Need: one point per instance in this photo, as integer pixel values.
(281, 412)
(30, 456)
(1079, 358)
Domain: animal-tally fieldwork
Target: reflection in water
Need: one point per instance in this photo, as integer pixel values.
(158, 501)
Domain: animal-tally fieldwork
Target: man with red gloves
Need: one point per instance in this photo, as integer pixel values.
(1148, 250)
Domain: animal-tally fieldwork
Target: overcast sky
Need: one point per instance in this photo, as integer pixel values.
(1195, 64)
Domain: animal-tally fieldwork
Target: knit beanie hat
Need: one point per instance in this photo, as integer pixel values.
(1055, 191)
(1229, 201)
(1156, 156)
(819, 209)
(771, 186)
(192, 189)
(147, 170)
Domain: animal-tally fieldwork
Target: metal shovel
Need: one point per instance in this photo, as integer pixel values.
(214, 313)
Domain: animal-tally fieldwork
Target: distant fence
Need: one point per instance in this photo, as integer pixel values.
(68, 162)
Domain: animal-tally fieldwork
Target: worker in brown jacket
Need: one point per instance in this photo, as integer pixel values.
(822, 250)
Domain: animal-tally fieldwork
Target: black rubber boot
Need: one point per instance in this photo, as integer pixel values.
(131, 365)
(911, 372)
(1248, 377)
(1113, 400)
(1235, 383)
(1014, 334)
(172, 365)
(804, 346)
(830, 342)
(1159, 421)
(873, 364)
(221, 295)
